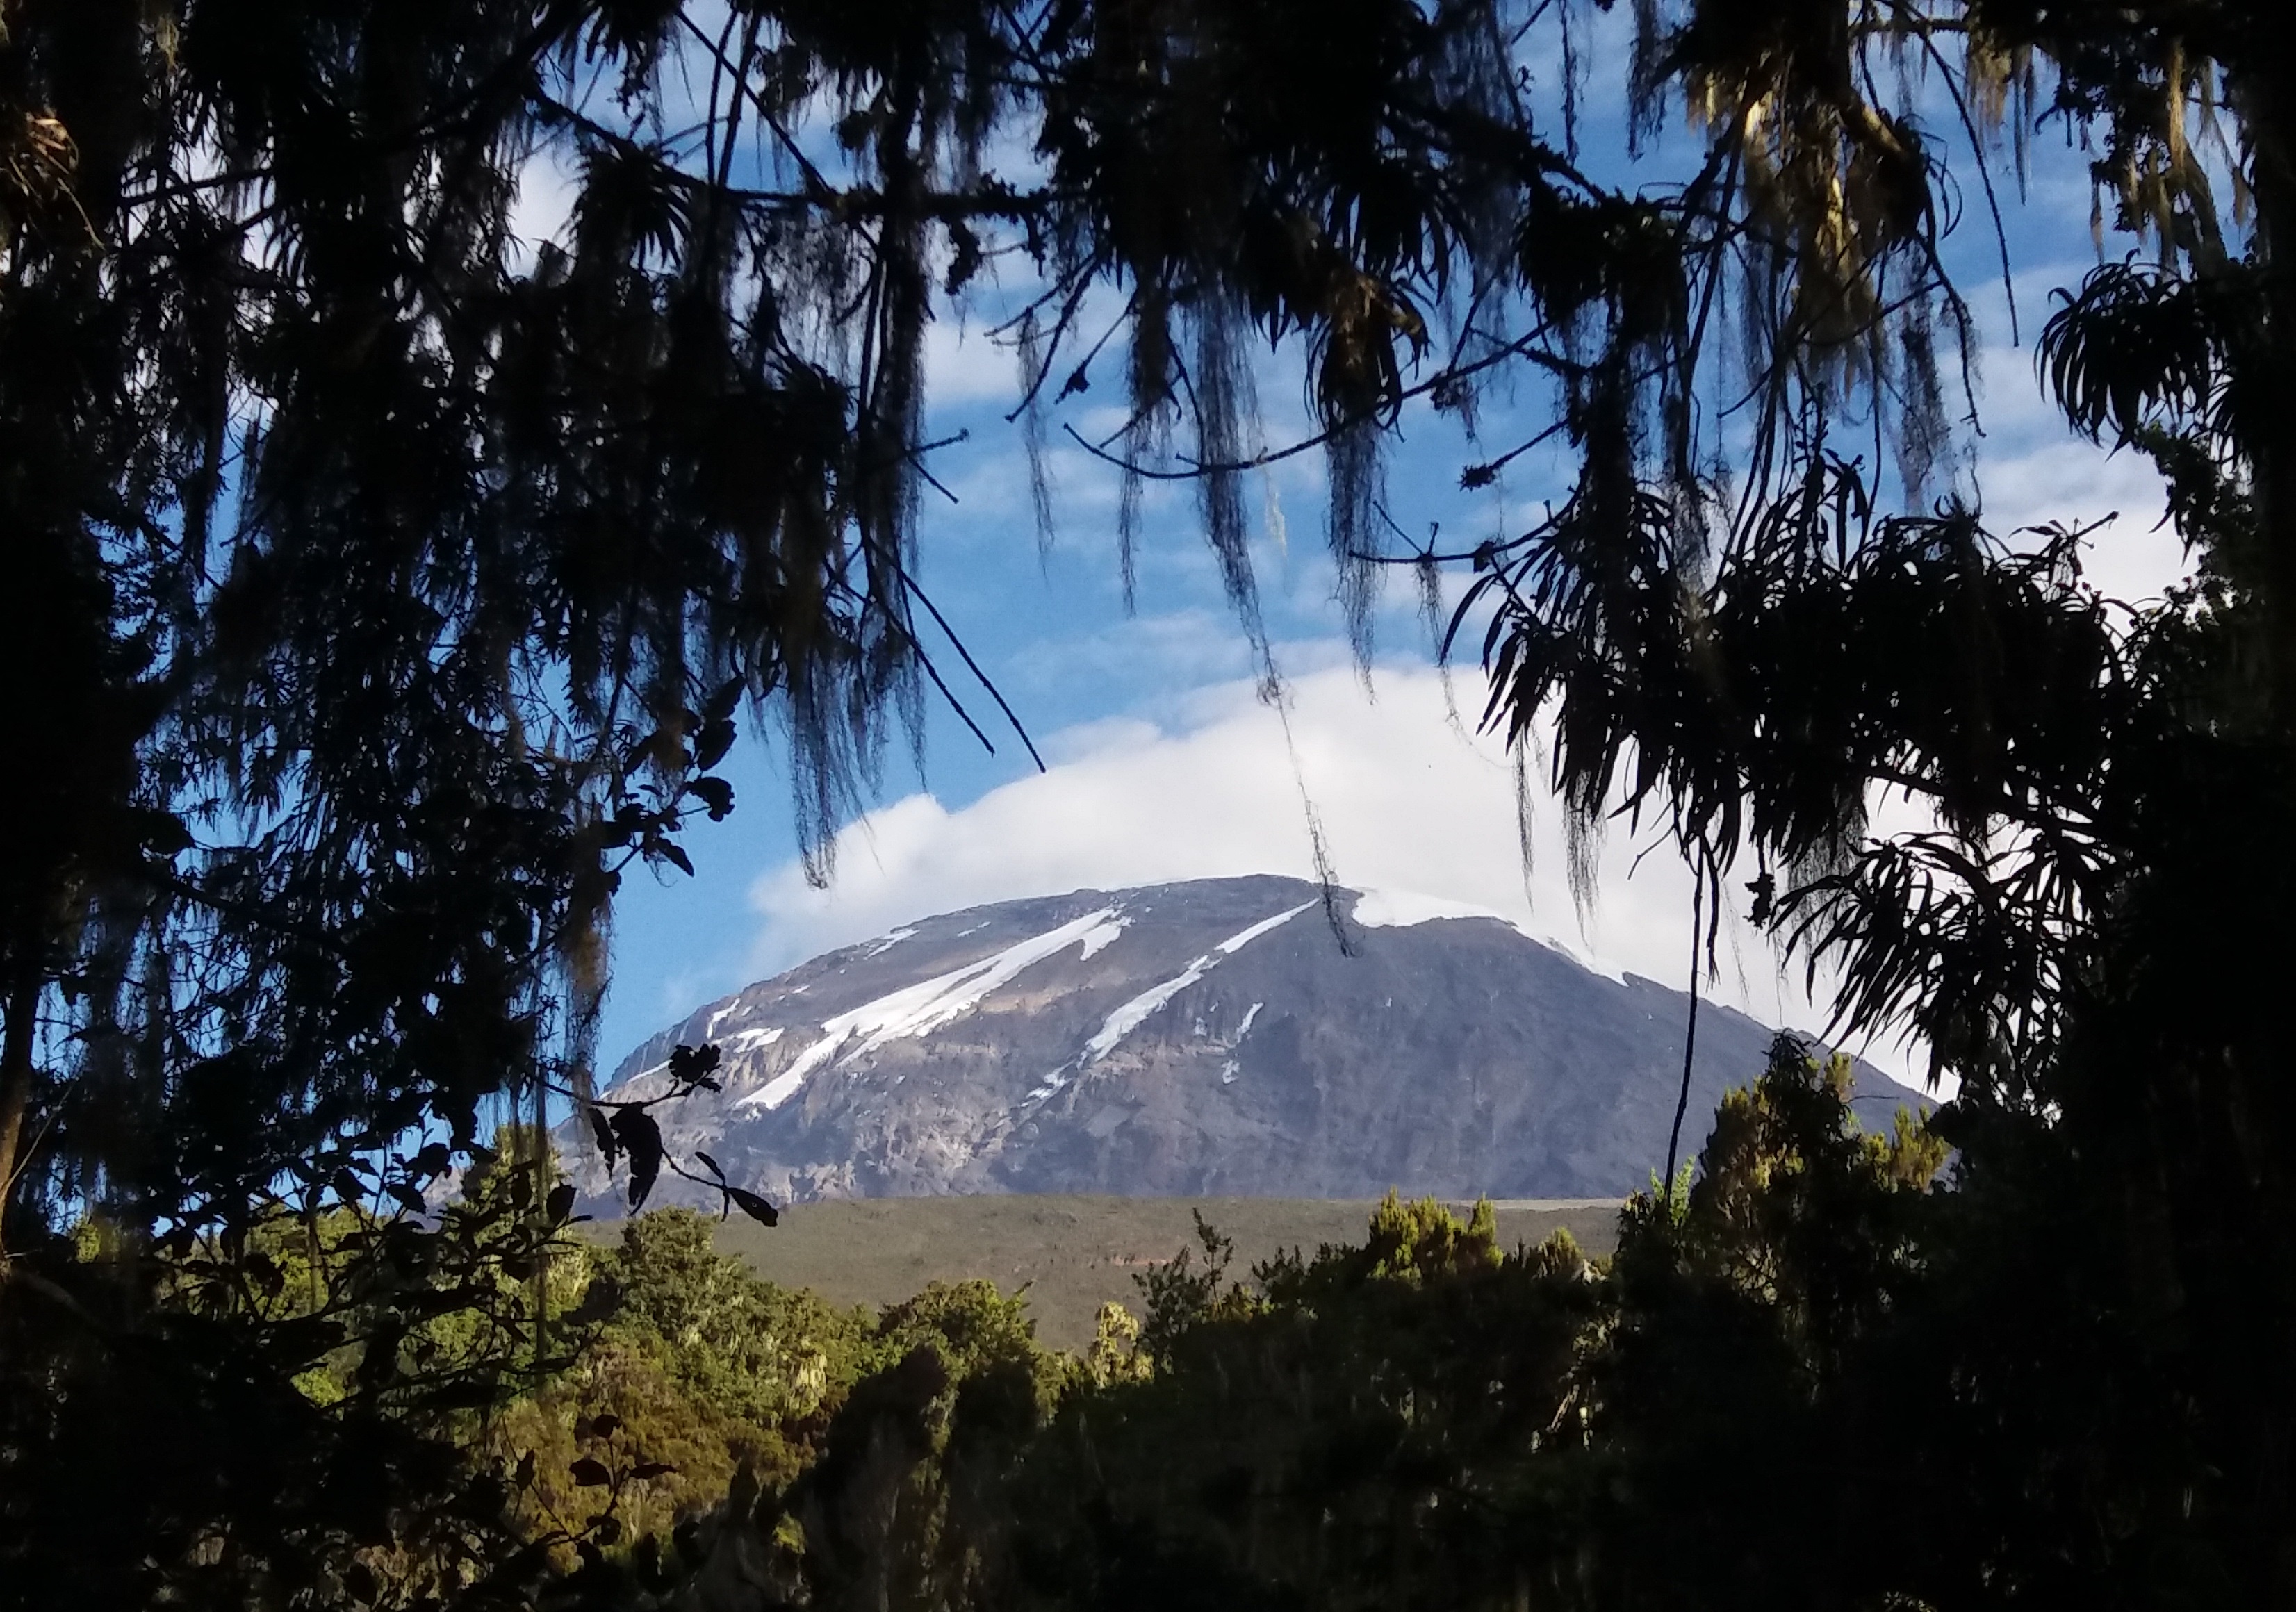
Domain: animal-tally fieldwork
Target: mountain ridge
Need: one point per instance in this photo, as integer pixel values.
(1207, 1037)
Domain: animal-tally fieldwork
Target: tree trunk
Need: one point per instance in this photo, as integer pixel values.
(16, 1097)
(2268, 107)
(2253, 1247)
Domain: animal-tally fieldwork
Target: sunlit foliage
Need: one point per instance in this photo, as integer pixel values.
(1426, 1419)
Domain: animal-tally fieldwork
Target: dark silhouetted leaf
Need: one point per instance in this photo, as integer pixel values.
(601, 1131)
(267, 1272)
(693, 1066)
(710, 745)
(641, 1139)
(715, 794)
(755, 1208)
(591, 1473)
(723, 703)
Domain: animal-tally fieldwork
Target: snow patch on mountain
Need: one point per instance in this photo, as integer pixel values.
(1050, 1085)
(923, 1008)
(1386, 909)
(1586, 960)
(1132, 1014)
(1101, 934)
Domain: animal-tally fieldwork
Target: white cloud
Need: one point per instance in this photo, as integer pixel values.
(2135, 552)
(1409, 801)
(964, 366)
(2033, 471)
(548, 186)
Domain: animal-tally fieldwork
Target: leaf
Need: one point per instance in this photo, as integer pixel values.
(162, 833)
(710, 745)
(561, 1202)
(714, 793)
(721, 705)
(267, 1272)
(755, 1208)
(709, 1164)
(605, 1425)
(525, 1470)
(641, 1138)
(591, 1473)
(693, 1066)
(602, 1133)
(671, 853)
(409, 1199)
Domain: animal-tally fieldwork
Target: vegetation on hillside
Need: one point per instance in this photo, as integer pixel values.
(1420, 1418)
(1071, 1255)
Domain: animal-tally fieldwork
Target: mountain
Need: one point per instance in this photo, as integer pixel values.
(1210, 1038)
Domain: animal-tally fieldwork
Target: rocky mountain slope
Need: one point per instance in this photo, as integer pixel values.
(1210, 1038)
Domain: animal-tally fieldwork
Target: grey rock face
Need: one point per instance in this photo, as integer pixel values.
(1204, 1038)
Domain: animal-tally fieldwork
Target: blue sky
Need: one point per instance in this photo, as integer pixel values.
(1163, 765)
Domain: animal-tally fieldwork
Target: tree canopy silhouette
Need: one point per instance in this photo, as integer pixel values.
(383, 583)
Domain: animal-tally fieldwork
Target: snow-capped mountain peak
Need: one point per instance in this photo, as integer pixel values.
(1195, 1038)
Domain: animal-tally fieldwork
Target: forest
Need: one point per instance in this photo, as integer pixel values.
(390, 578)
(1422, 1418)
